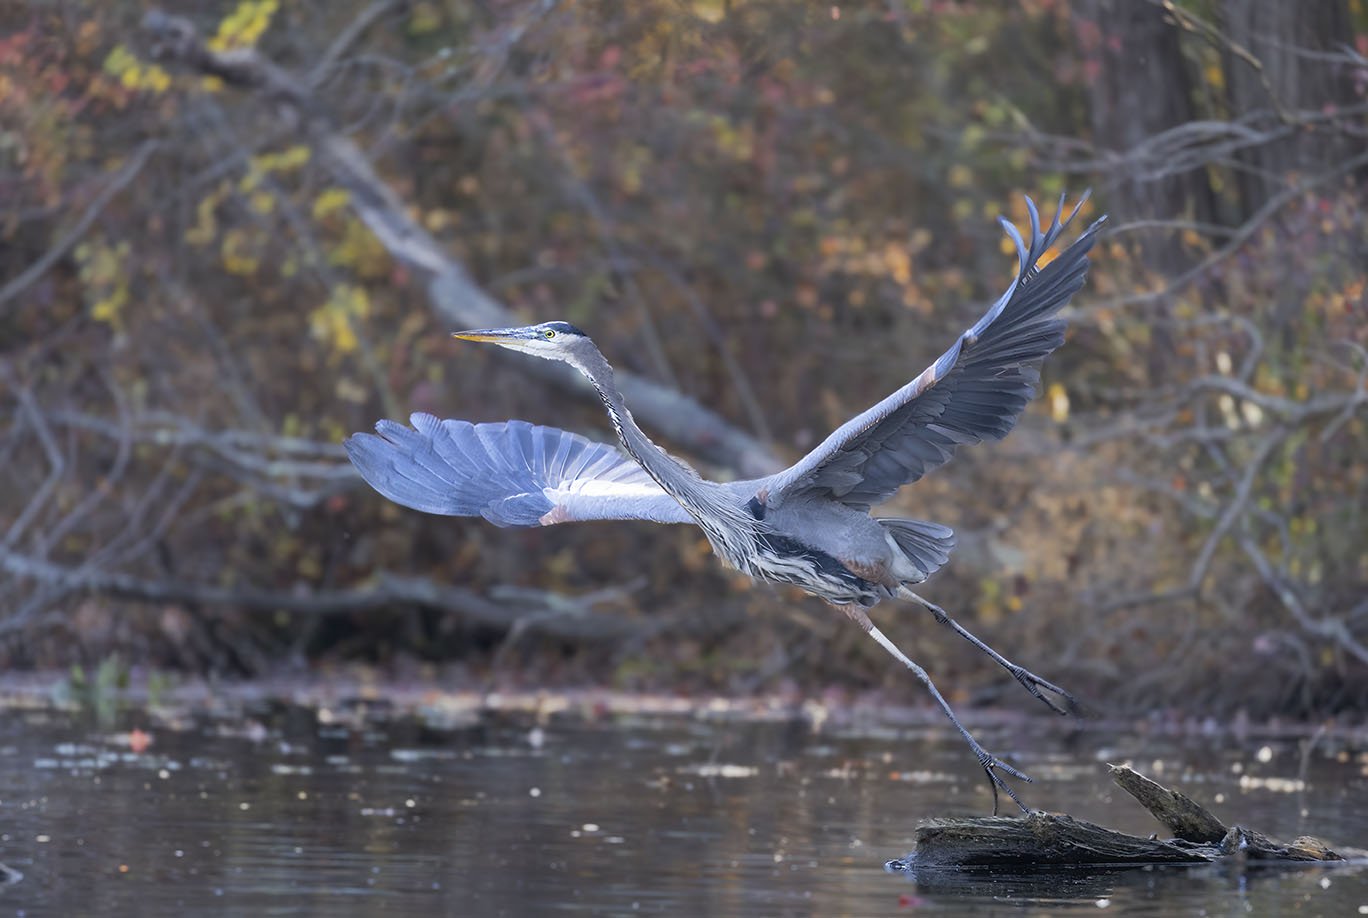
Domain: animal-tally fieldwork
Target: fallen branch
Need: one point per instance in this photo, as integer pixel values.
(1057, 840)
(570, 618)
(387, 590)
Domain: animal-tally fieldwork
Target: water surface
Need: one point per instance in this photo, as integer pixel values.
(282, 812)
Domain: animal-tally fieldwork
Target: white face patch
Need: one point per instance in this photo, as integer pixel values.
(535, 348)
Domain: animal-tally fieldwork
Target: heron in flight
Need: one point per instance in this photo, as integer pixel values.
(809, 525)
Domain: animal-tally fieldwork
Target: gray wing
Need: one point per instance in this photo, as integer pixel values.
(511, 473)
(974, 392)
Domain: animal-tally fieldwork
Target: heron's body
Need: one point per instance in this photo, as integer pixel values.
(809, 525)
(833, 551)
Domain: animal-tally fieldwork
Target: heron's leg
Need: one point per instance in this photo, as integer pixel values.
(990, 763)
(1030, 680)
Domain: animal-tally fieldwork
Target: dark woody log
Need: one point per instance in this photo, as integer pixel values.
(1053, 840)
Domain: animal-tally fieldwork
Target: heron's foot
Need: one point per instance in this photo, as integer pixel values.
(1058, 700)
(991, 765)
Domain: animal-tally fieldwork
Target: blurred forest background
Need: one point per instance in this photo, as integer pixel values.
(228, 240)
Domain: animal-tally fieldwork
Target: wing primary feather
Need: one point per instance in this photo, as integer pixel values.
(512, 473)
(976, 390)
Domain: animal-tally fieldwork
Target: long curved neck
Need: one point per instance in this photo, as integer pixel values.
(679, 481)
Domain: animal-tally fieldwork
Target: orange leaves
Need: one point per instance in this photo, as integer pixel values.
(889, 260)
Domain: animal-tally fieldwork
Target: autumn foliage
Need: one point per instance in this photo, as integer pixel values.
(782, 210)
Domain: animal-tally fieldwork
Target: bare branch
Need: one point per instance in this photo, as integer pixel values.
(349, 36)
(1333, 629)
(117, 183)
(1237, 239)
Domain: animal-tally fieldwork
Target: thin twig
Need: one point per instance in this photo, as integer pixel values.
(117, 183)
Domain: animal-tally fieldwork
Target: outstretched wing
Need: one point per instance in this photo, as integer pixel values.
(511, 473)
(974, 392)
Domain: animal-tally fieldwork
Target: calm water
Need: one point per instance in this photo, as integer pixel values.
(285, 815)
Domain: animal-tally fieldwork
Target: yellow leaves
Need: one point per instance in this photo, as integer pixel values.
(713, 11)
(261, 202)
(205, 229)
(261, 166)
(736, 141)
(424, 19)
(330, 201)
(240, 214)
(1059, 403)
(102, 269)
(1214, 75)
(334, 322)
(960, 176)
(632, 170)
(284, 160)
(133, 74)
(239, 251)
(244, 26)
(238, 254)
(118, 60)
(107, 309)
(359, 250)
(439, 220)
(991, 600)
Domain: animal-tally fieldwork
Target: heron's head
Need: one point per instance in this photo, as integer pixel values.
(549, 340)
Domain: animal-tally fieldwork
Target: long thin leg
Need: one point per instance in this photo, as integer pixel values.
(1030, 680)
(989, 762)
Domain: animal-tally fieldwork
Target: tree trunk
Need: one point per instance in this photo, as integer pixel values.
(1139, 86)
(1282, 60)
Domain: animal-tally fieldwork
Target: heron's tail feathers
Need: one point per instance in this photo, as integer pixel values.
(926, 545)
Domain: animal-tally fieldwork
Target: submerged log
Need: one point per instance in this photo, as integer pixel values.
(1037, 838)
(1058, 840)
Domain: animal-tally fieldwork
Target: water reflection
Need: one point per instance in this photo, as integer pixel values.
(280, 812)
(1207, 889)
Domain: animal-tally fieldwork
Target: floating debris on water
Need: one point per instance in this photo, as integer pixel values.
(715, 770)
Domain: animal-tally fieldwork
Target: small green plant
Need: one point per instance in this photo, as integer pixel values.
(96, 693)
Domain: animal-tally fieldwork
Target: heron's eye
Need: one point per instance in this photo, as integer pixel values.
(548, 334)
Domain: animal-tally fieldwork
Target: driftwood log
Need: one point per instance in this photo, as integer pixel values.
(1056, 840)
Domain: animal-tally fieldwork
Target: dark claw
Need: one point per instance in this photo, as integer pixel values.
(1034, 684)
(990, 765)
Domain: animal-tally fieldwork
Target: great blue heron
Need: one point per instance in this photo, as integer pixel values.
(807, 525)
